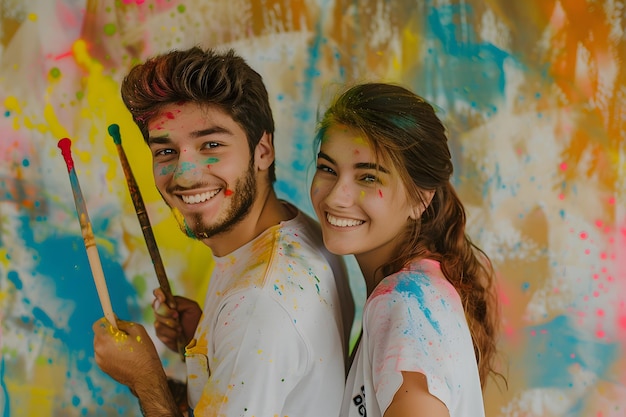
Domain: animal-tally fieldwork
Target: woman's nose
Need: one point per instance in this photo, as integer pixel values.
(341, 195)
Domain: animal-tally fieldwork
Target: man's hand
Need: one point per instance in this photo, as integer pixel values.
(126, 354)
(174, 325)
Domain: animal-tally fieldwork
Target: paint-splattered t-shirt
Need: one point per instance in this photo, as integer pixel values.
(414, 321)
(274, 331)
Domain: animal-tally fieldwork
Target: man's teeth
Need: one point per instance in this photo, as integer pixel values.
(342, 222)
(199, 198)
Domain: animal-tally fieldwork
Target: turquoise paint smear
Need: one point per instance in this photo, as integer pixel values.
(183, 168)
(481, 83)
(411, 286)
(6, 407)
(295, 189)
(64, 259)
(14, 277)
(555, 346)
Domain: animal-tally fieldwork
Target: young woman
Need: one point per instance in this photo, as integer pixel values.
(382, 192)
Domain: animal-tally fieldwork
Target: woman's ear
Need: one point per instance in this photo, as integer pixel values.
(264, 152)
(417, 210)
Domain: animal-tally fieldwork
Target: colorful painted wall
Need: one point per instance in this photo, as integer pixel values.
(534, 97)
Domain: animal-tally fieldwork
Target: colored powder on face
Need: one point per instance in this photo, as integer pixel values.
(181, 8)
(139, 339)
(228, 193)
(211, 160)
(180, 219)
(184, 168)
(380, 193)
(168, 169)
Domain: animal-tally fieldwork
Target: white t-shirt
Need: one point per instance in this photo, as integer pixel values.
(273, 337)
(414, 321)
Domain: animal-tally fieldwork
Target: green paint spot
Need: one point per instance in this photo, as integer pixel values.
(181, 8)
(140, 284)
(80, 95)
(211, 160)
(168, 169)
(55, 72)
(110, 29)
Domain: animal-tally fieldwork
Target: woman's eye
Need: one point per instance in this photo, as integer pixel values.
(325, 168)
(369, 178)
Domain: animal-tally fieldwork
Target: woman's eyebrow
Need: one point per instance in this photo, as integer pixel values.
(358, 165)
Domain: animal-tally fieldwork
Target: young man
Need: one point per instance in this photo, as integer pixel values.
(273, 336)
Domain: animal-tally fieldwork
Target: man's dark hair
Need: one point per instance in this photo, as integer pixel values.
(205, 77)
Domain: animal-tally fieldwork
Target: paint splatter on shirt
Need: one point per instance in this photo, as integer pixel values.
(277, 312)
(414, 321)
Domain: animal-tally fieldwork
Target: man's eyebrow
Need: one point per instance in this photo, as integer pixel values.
(159, 140)
(165, 138)
(359, 165)
(209, 131)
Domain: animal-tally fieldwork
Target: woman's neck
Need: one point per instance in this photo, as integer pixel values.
(371, 270)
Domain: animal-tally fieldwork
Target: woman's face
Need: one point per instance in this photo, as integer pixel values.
(361, 202)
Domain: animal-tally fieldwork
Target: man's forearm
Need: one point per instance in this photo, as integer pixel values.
(155, 398)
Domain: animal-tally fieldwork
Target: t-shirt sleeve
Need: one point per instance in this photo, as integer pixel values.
(409, 331)
(259, 358)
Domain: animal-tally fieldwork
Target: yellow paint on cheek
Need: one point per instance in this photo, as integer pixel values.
(139, 339)
(362, 195)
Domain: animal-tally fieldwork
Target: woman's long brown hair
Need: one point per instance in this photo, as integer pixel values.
(404, 130)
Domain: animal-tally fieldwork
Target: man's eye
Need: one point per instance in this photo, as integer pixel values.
(211, 145)
(163, 152)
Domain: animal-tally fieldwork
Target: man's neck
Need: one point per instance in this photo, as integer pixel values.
(266, 212)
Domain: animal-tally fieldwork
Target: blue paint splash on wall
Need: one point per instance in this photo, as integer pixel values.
(554, 347)
(63, 259)
(453, 45)
(6, 409)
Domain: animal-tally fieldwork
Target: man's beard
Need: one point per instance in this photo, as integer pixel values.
(242, 198)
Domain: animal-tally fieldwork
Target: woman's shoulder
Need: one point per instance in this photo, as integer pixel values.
(418, 279)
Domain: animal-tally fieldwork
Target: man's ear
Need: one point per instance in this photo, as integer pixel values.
(264, 152)
(420, 207)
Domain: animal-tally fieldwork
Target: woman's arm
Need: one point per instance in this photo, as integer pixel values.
(413, 399)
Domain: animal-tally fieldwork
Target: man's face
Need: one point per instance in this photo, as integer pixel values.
(202, 167)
